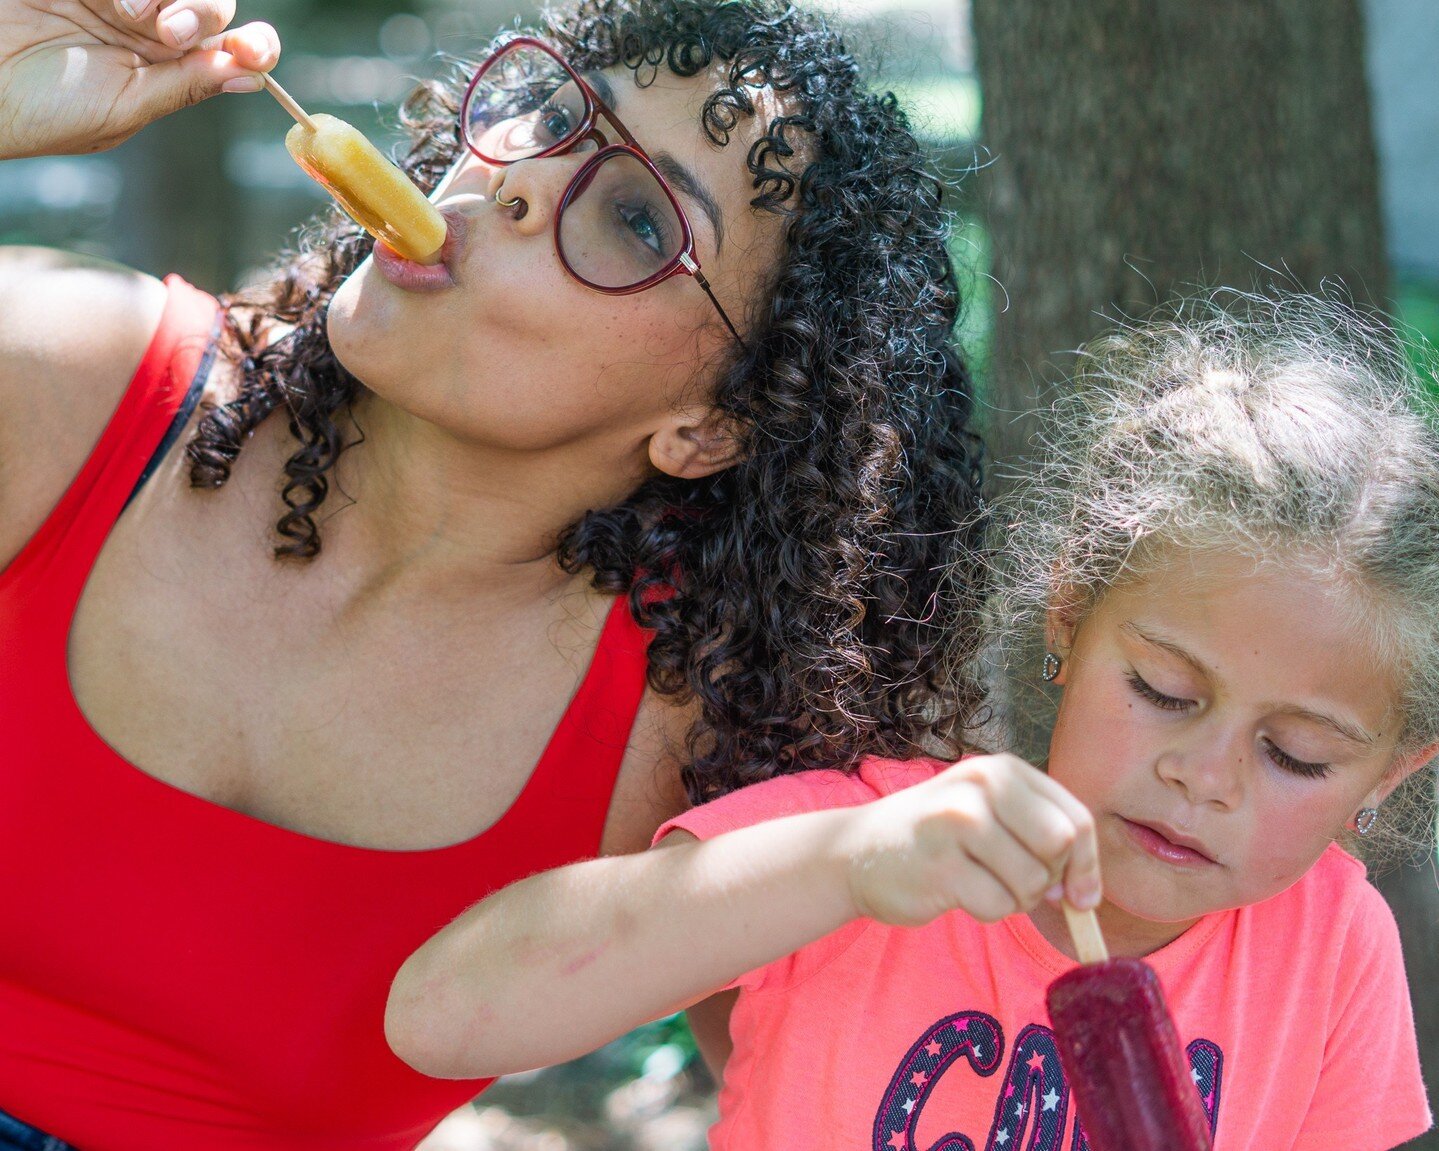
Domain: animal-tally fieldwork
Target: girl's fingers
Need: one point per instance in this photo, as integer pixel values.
(1082, 884)
(255, 46)
(1023, 875)
(981, 893)
(185, 23)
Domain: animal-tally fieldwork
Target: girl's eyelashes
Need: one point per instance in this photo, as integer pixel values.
(1276, 753)
(1297, 766)
(1157, 698)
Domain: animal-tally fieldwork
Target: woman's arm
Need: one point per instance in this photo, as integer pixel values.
(563, 962)
(72, 331)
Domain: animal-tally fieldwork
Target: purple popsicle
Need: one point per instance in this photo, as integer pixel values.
(1123, 1059)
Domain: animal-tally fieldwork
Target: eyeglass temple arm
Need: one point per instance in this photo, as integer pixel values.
(693, 269)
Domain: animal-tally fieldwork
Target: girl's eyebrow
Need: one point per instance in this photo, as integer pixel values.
(1166, 645)
(1347, 731)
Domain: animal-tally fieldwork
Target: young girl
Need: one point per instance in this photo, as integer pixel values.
(1233, 554)
(620, 501)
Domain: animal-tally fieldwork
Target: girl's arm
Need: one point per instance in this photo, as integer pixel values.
(562, 962)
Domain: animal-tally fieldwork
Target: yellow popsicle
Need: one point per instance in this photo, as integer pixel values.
(380, 197)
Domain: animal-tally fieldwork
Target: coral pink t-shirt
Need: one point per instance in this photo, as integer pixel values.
(1294, 1013)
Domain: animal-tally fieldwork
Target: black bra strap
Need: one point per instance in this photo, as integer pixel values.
(182, 417)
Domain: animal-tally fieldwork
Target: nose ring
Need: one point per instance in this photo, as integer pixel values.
(517, 206)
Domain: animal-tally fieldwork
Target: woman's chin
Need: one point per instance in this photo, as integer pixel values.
(354, 320)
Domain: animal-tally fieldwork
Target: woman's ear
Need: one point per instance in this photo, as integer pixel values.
(696, 442)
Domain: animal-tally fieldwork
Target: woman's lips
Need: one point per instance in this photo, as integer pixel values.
(1165, 843)
(413, 277)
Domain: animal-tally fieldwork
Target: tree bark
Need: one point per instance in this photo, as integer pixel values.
(1143, 147)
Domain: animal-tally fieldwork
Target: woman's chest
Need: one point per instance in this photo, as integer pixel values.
(402, 725)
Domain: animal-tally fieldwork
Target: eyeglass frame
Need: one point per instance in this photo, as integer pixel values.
(683, 262)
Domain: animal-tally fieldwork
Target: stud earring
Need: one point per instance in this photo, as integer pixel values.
(1364, 821)
(1052, 664)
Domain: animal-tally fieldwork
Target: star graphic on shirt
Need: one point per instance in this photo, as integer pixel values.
(1002, 1138)
(919, 1078)
(934, 1047)
(1051, 1099)
(1035, 1062)
(897, 1141)
(1019, 1110)
(1194, 1074)
(908, 1106)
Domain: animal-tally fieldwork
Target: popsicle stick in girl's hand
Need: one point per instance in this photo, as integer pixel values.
(1120, 1051)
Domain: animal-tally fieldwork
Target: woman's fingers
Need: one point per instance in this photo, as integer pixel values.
(254, 46)
(183, 24)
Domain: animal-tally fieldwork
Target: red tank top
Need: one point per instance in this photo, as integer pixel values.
(175, 974)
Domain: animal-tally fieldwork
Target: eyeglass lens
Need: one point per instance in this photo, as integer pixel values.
(618, 227)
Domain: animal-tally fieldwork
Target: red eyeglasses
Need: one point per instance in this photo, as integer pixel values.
(619, 227)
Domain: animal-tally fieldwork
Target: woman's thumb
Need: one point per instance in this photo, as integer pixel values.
(159, 89)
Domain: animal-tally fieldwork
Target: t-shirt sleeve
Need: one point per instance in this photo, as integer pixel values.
(795, 795)
(1371, 1094)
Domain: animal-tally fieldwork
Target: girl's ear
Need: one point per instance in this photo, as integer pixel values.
(696, 442)
(1060, 622)
(1403, 767)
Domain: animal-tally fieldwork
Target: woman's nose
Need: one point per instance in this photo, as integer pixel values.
(540, 184)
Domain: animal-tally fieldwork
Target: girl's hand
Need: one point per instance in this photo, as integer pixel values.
(83, 75)
(991, 835)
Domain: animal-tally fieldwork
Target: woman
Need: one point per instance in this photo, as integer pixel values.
(611, 542)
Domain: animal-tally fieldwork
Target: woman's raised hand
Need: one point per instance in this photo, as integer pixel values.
(83, 75)
(991, 835)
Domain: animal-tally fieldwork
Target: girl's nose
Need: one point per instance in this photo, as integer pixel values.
(1209, 771)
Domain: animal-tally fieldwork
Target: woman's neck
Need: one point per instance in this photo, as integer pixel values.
(434, 509)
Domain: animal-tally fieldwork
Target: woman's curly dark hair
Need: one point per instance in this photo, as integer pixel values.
(806, 598)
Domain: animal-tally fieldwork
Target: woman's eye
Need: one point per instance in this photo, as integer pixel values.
(1297, 766)
(1157, 698)
(556, 121)
(646, 225)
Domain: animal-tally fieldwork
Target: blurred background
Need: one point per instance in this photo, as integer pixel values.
(1121, 148)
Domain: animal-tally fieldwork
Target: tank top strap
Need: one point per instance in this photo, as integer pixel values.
(575, 778)
(62, 552)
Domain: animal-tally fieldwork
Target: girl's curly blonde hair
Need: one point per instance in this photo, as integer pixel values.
(1281, 426)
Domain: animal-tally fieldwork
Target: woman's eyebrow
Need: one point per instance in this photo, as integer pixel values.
(669, 167)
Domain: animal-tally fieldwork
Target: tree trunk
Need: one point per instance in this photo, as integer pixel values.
(1144, 147)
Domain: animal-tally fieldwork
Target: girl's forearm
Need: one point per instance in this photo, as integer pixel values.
(562, 962)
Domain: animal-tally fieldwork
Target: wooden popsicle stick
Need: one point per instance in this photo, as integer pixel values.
(1084, 930)
(288, 102)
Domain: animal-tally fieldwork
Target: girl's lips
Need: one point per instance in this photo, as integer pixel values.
(413, 277)
(1159, 844)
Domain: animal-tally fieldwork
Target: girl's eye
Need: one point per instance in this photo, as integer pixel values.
(1297, 766)
(1157, 698)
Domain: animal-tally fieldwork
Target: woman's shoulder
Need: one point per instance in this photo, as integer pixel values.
(74, 330)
